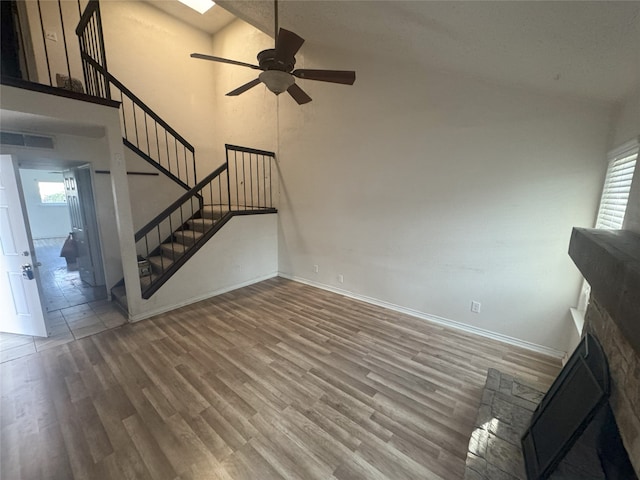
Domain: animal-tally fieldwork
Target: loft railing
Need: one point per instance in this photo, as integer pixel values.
(243, 185)
(39, 36)
(143, 130)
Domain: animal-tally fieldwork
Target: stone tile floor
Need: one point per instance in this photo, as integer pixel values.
(74, 309)
(66, 325)
(62, 286)
(505, 412)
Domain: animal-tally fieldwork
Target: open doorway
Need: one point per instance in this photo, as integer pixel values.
(61, 211)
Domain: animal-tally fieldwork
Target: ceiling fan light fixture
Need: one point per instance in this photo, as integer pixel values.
(276, 80)
(200, 6)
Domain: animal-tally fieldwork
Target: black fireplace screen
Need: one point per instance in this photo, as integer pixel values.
(576, 396)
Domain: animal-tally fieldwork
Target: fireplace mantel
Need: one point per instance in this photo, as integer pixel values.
(610, 261)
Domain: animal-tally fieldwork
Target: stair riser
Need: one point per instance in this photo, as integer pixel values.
(167, 252)
(158, 267)
(200, 226)
(187, 238)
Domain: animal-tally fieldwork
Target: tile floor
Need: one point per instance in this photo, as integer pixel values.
(67, 325)
(62, 286)
(74, 309)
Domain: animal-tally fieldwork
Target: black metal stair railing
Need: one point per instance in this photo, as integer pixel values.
(243, 186)
(143, 130)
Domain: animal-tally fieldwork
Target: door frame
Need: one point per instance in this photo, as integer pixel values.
(61, 165)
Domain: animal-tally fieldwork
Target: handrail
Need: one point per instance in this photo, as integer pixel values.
(89, 10)
(143, 130)
(255, 151)
(180, 201)
(137, 100)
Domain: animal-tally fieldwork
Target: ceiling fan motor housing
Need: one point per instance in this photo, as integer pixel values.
(267, 61)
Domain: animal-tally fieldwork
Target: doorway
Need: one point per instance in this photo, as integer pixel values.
(61, 211)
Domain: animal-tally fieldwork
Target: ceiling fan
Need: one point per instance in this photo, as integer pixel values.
(277, 65)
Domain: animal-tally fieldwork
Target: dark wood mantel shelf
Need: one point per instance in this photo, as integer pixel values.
(610, 261)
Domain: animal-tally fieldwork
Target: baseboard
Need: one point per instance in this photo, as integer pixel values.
(552, 352)
(153, 313)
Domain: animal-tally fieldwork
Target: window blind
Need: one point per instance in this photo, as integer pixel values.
(617, 185)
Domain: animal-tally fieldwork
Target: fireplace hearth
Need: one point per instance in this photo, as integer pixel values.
(606, 426)
(610, 261)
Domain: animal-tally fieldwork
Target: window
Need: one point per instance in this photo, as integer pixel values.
(52, 193)
(617, 185)
(613, 206)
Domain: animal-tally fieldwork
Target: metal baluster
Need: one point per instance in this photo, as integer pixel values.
(64, 40)
(98, 17)
(270, 184)
(235, 161)
(258, 180)
(146, 133)
(166, 140)
(191, 217)
(219, 191)
(251, 178)
(186, 167)
(44, 42)
(173, 253)
(244, 178)
(175, 142)
(157, 141)
(264, 176)
(135, 122)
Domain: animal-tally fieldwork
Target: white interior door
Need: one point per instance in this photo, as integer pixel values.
(21, 310)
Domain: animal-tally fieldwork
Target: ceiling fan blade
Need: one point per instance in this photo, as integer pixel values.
(223, 60)
(346, 77)
(287, 45)
(298, 94)
(243, 88)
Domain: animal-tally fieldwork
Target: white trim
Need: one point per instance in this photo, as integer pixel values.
(623, 149)
(578, 319)
(552, 352)
(153, 313)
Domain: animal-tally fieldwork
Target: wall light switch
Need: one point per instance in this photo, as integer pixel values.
(341, 278)
(475, 307)
(315, 268)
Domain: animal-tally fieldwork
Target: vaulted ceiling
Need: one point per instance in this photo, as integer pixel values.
(580, 49)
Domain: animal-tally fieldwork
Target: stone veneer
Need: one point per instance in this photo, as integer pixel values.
(624, 368)
(495, 452)
(610, 261)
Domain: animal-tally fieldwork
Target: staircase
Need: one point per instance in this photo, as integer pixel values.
(242, 185)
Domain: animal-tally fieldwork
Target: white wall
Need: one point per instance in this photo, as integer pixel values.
(148, 51)
(46, 221)
(429, 190)
(244, 251)
(102, 153)
(250, 119)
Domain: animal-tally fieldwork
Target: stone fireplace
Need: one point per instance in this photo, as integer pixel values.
(610, 261)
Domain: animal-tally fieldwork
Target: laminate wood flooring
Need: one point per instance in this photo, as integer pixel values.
(278, 380)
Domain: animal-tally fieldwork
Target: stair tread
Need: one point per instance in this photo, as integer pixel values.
(160, 262)
(188, 233)
(178, 248)
(146, 281)
(201, 224)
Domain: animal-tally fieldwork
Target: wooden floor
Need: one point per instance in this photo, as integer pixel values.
(277, 380)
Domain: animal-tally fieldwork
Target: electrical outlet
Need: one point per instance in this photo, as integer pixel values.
(341, 278)
(51, 36)
(475, 307)
(315, 268)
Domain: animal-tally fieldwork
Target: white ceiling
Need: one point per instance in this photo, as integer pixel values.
(211, 21)
(580, 49)
(12, 121)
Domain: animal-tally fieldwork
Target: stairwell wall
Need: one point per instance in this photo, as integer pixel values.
(249, 119)
(148, 51)
(428, 190)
